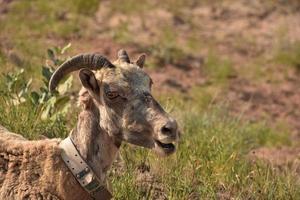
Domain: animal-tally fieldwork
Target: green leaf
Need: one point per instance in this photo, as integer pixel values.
(34, 98)
(65, 48)
(21, 71)
(47, 73)
(61, 103)
(56, 49)
(64, 87)
(51, 55)
(43, 98)
(28, 83)
(8, 77)
(46, 112)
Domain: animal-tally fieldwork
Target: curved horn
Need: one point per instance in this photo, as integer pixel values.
(123, 56)
(91, 61)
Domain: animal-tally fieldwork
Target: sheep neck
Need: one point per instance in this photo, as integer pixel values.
(95, 146)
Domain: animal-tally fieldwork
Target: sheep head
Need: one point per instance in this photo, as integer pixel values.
(122, 92)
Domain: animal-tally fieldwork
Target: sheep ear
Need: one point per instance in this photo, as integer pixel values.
(89, 82)
(141, 60)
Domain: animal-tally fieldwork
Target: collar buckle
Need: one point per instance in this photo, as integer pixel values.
(81, 171)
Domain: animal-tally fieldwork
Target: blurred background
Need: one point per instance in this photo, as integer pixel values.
(227, 70)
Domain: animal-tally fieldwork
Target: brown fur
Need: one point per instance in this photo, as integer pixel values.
(35, 170)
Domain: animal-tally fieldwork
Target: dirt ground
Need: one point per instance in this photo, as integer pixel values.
(239, 30)
(242, 31)
(281, 158)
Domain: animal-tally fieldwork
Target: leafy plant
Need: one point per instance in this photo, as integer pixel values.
(50, 105)
(58, 103)
(30, 111)
(17, 87)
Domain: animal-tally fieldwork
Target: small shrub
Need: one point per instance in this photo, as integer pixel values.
(34, 109)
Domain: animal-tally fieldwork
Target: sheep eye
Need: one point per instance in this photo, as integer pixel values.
(112, 95)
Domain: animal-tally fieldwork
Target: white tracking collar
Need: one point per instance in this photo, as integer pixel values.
(82, 172)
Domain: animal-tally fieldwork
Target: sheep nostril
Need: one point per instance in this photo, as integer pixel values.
(167, 129)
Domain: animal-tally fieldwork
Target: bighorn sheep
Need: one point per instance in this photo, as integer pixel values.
(117, 106)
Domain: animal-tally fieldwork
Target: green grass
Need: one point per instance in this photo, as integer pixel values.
(218, 69)
(289, 55)
(211, 160)
(129, 7)
(121, 34)
(30, 26)
(24, 117)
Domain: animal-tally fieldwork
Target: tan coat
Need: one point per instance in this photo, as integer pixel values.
(34, 170)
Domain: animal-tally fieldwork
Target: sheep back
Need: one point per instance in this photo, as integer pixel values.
(35, 170)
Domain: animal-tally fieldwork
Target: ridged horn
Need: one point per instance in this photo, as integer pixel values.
(90, 61)
(123, 56)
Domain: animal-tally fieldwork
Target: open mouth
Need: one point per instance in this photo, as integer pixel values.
(166, 147)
